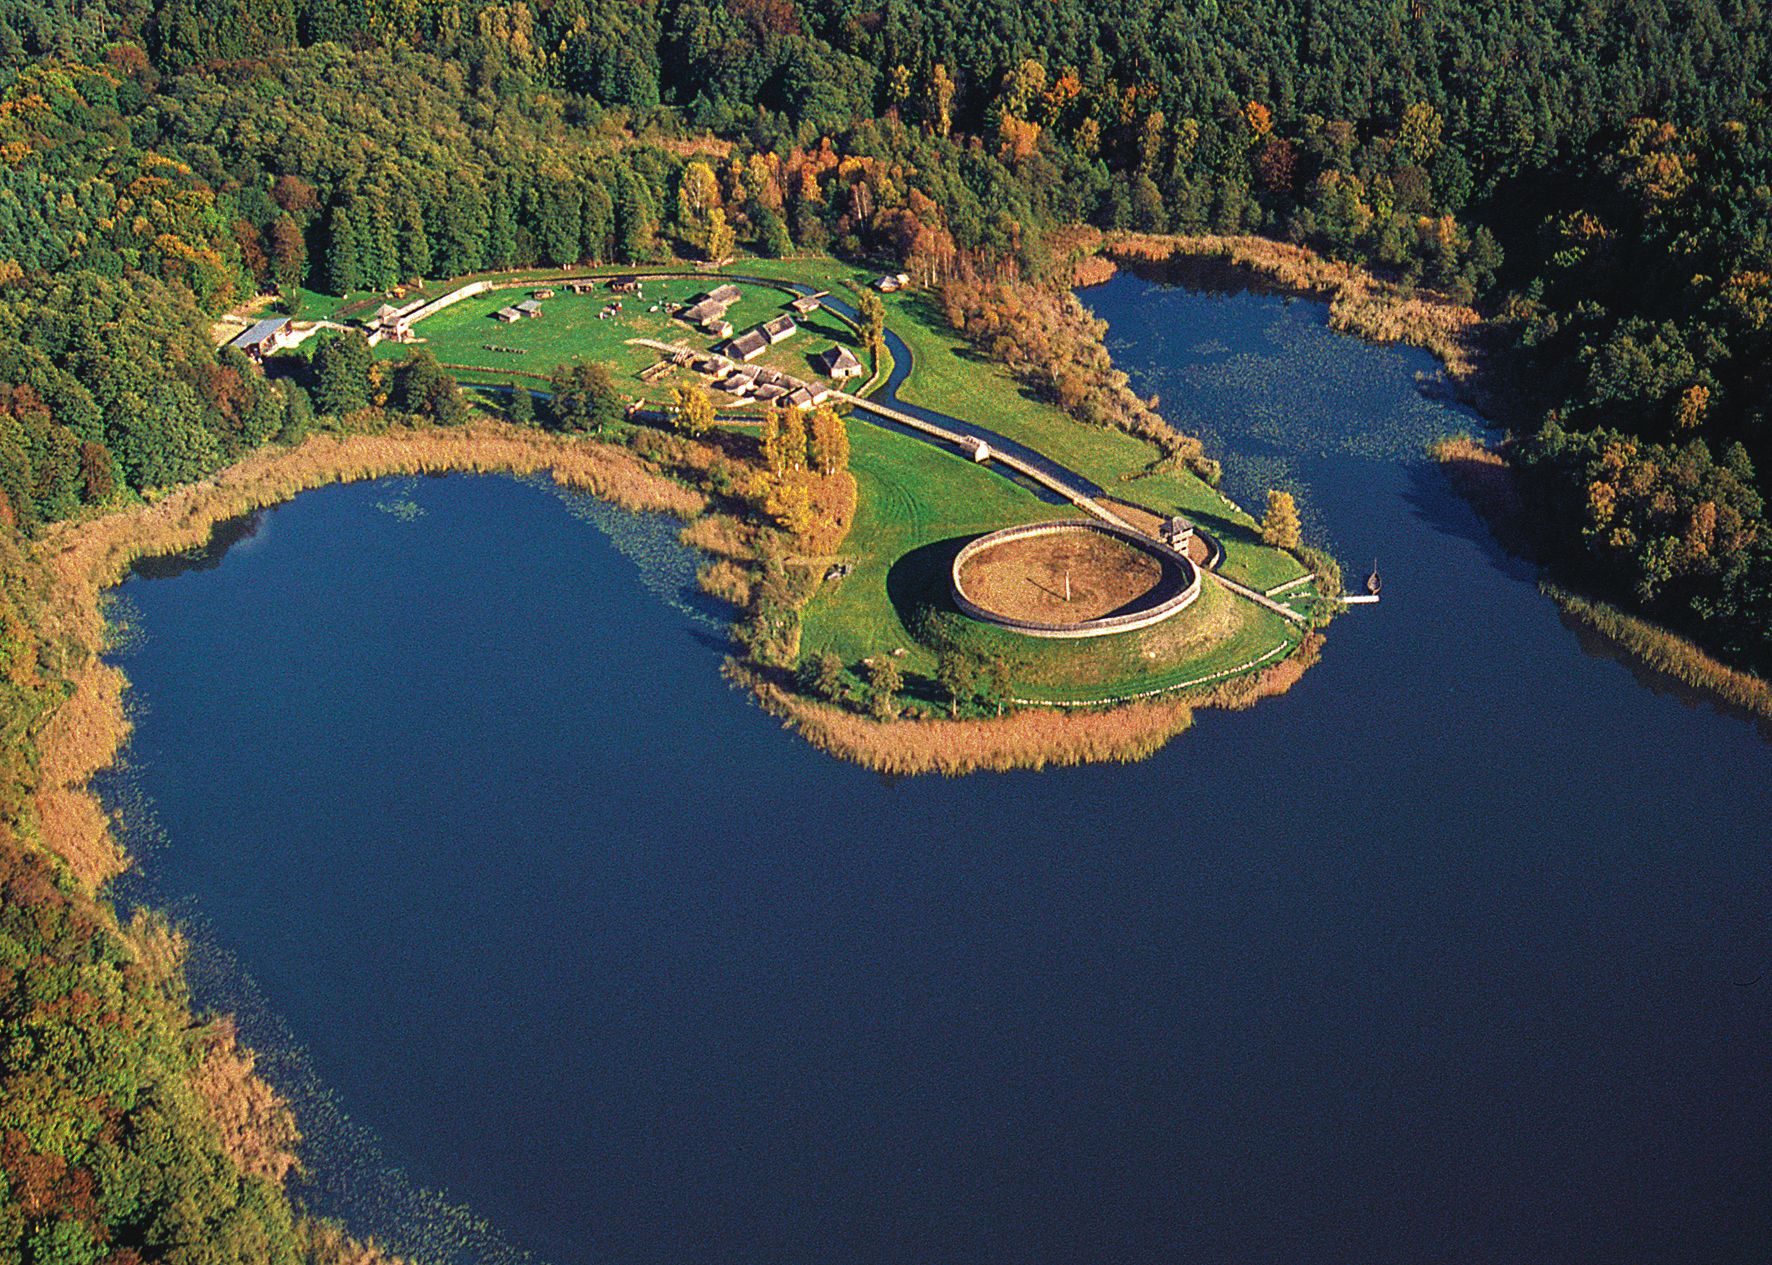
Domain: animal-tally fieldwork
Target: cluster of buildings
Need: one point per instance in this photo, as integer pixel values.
(709, 311)
(754, 342)
(770, 387)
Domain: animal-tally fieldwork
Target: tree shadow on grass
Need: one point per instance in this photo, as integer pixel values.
(919, 587)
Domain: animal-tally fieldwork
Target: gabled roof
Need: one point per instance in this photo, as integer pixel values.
(799, 397)
(838, 359)
(747, 344)
(727, 294)
(261, 332)
(779, 327)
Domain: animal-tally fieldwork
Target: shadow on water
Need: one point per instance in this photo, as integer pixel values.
(1431, 499)
(226, 534)
(1596, 645)
(1207, 274)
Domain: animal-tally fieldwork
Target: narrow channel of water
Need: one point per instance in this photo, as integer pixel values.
(1463, 949)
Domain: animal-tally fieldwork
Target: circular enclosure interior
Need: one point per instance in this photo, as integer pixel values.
(1071, 579)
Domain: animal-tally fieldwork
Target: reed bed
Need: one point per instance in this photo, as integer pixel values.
(726, 580)
(723, 535)
(83, 558)
(1359, 303)
(1483, 477)
(1667, 654)
(1030, 739)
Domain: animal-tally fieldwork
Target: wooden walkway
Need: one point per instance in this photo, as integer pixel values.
(968, 444)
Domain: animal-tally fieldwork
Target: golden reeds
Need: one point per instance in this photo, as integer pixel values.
(1359, 303)
(1030, 739)
(82, 558)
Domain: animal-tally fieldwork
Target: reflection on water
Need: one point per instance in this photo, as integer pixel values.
(227, 534)
(1448, 953)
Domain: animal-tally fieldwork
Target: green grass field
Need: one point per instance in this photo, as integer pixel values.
(917, 502)
(953, 378)
(571, 329)
(916, 505)
(911, 496)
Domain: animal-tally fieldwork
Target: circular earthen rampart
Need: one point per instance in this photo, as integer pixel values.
(1178, 589)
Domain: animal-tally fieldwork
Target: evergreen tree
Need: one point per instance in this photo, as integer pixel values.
(344, 268)
(596, 237)
(415, 243)
(636, 218)
(341, 374)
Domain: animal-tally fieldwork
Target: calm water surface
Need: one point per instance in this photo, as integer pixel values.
(1461, 951)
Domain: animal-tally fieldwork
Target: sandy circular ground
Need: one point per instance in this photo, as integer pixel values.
(1025, 579)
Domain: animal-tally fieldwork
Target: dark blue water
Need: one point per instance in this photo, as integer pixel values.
(1460, 951)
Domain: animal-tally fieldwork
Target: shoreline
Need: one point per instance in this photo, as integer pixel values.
(1360, 303)
(82, 559)
(1484, 479)
(1370, 308)
(1037, 737)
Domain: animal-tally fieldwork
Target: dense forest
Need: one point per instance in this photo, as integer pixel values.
(1596, 175)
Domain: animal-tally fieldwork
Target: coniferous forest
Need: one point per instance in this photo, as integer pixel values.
(1595, 177)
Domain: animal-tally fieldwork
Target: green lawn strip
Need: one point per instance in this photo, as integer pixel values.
(952, 377)
(569, 329)
(910, 495)
(1219, 633)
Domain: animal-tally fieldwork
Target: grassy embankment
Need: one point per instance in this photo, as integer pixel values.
(916, 505)
(1484, 478)
(953, 378)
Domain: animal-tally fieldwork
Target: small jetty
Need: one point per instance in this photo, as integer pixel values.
(1374, 583)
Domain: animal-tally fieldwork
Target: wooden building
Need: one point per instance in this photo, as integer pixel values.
(263, 338)
(778, 328)
(839, 363)
(1177, 533)
(748, 345)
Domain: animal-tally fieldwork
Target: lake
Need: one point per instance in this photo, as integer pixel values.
(1461, 950)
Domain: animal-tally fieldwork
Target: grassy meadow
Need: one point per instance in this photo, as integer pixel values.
(916, 506)
(954, 378)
